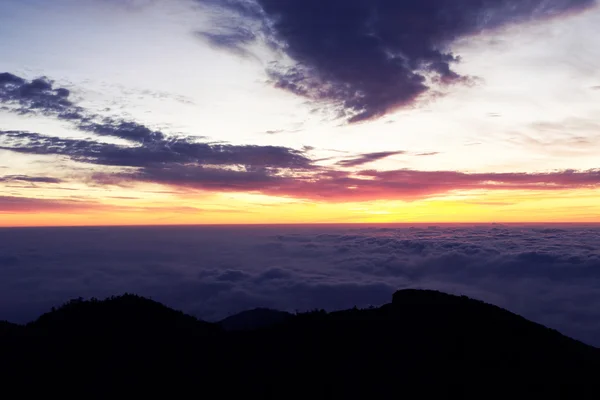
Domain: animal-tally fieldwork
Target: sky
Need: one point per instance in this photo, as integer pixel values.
(151, 112)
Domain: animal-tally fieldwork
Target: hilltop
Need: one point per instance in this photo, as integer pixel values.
(423, 342)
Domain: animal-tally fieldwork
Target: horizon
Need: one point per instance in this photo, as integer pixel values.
(237, 112)
(432, 224)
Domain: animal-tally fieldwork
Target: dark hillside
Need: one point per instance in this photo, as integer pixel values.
(424, 343)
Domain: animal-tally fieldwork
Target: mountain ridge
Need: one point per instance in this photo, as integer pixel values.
(423, 341)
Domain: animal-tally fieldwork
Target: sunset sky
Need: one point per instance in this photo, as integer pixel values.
(134, 112)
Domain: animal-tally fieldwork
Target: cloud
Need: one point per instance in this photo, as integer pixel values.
(277, 171)
(14, 204)
(569, 125)
(131, 5)
(19, 204)
(157, 153)
(29, 179)
(37, 95)
(233, 41)
(336, 186)
(366, 58)
(341, 187)
(546, 273)
(568, 137)
(368, 158)
(41, 96)
(232, 276)
(190, 162)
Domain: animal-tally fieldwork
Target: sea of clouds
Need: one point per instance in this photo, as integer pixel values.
(550, 274)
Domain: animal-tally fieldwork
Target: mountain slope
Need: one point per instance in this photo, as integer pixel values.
(424, 343)
(254, 319)
(124, 315)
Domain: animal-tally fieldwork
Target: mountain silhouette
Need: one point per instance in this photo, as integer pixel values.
(254, 319)
(129, 315)
(6, 329)
(423, 344)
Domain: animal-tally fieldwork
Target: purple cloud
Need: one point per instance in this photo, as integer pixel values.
(368, 158)
(152, 156)
(277, 171)
(14, 204)
(41, 96)
(157, 153)
(29, 179)
(367, 58)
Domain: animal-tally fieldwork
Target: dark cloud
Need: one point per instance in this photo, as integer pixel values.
(235, 41)
(122, 129)
(232, 276)
(166, 154)
(277, 171)
(274, 274)
(368, 57)
(29, 179)
(433, 153)
(156, 155)
(335, 186)
(40, 96)
(368, 158)
(203, 178)
(547, 273)
(189, 162)
(339, 187)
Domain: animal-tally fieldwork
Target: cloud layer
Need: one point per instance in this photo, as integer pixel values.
(278, 171)
(28, 179)
(175, 151)
(368, 158)
(155, 155)
(367, 57)
(150, 156)
(550, 274)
